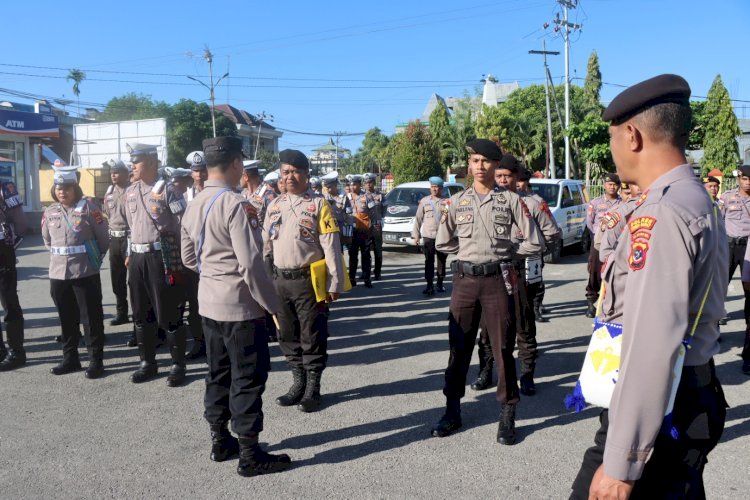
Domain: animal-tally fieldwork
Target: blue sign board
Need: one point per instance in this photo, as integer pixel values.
(28, 124)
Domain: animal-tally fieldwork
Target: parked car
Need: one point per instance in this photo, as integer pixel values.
(401, 209)
(567, 202)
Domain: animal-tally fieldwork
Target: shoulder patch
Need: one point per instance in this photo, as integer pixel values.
(637, 258)
(642, 223)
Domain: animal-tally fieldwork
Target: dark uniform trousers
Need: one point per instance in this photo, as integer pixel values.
(536, 292)
(238, 365)
(470, 297)
(358, 245)
(79, 300)
(194, 319)
(737, 247)
(595, 273)
(303, 322)
(525, 330)
(376, 245)
(675, 469)
(9, 283)
(429, 251)
(118, 247)
(154, 300)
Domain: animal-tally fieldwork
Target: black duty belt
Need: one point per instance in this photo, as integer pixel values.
(697, 377)
(470, 269)
(742, 240)
(291, 274)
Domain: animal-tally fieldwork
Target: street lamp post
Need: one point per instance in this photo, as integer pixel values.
(262, 116)
(209, 57)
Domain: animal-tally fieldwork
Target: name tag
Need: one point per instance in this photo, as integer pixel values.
(177, 206)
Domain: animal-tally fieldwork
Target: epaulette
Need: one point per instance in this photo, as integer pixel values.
(159, 186)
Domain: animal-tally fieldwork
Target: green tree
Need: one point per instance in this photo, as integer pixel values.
(591, 137)
(268, 160)
(489, 124)
(721, 131)
(414, 155)
(440, 125)
(371, 155)
(132, 106)
(698, 130)
(188, 124)
(591, 87)
(77, 76)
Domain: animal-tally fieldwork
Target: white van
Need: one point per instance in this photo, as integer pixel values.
(400, 207)
(567, 202)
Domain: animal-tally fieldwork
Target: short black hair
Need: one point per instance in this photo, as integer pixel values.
(223, 160)
(668, 122)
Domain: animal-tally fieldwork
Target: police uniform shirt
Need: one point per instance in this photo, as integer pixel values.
(479, 231)
(260, 199)
(655, 283)
(611, 226)
(11, 208)
(341, 208)
(72, 227)
(427, 219)
(364, 203)
(596, 210)
(736, 213)
(377, 197)
(152, 206)
(543, 217)
(301, 229)
(114, 207)
(234, 285)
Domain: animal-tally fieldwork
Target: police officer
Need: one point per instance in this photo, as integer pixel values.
(76, 234)
(712, 185)
(673, 227)
(425, 228)
(477, 226)
(299, 230)
(376, 235)
(156, 275)
(530, 273)
(221, 240)
(364, 209)
(114, 209)
(523, 187)
(272, 180)
(736, 209)
(260, 195)
(12, 228)
(197, 172)
(340, 206)
(594, 212)
(181, 179)
(316, 185)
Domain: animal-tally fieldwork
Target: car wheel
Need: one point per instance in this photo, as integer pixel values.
(553, 255)
(585, 243)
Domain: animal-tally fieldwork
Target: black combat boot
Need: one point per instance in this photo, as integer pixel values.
(96, 363)
(146, 336)
(591, 309)
(198, 350)
(177, 344)
(16, 355)
(429, 291)
(506, 430)
(69, 364)
(3, 350)
(295, 392)
(528, 388)
(311, 400)
(133, 340)
(486, 363)
(120, 319)
(539, 313)
(368, 283)
(450, 421)
(745, 351)
(254, 461)
(440, 288)
(223, 445)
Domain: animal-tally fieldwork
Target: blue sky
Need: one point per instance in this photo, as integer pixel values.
(348, 66)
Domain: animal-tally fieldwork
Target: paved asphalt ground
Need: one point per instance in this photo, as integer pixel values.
(68, 437)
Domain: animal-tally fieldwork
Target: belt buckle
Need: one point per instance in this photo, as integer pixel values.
(477, 270)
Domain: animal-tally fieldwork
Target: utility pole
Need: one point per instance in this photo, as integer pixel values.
(209, 57)
(336, 157)
(567, 27)
(262, 116)
(550, 149)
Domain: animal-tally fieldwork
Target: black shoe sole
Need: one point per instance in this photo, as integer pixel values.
(143, 378)
(287, 403)
(65, 370)
(445, 431)
(278, 467)
(507, 441)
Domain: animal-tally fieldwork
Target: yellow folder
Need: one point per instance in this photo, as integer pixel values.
(319, 276)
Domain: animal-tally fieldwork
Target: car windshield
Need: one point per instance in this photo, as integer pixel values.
(403, 201)
(547, 191)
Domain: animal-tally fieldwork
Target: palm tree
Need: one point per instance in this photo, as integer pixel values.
(77, 76)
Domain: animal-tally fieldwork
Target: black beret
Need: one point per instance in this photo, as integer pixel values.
(612, 178)
(218, 148)
(486, 148)
(509, 162)
(641, 96)
(525, 174)
(710, 178)
(745, 170)
(295, 158)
